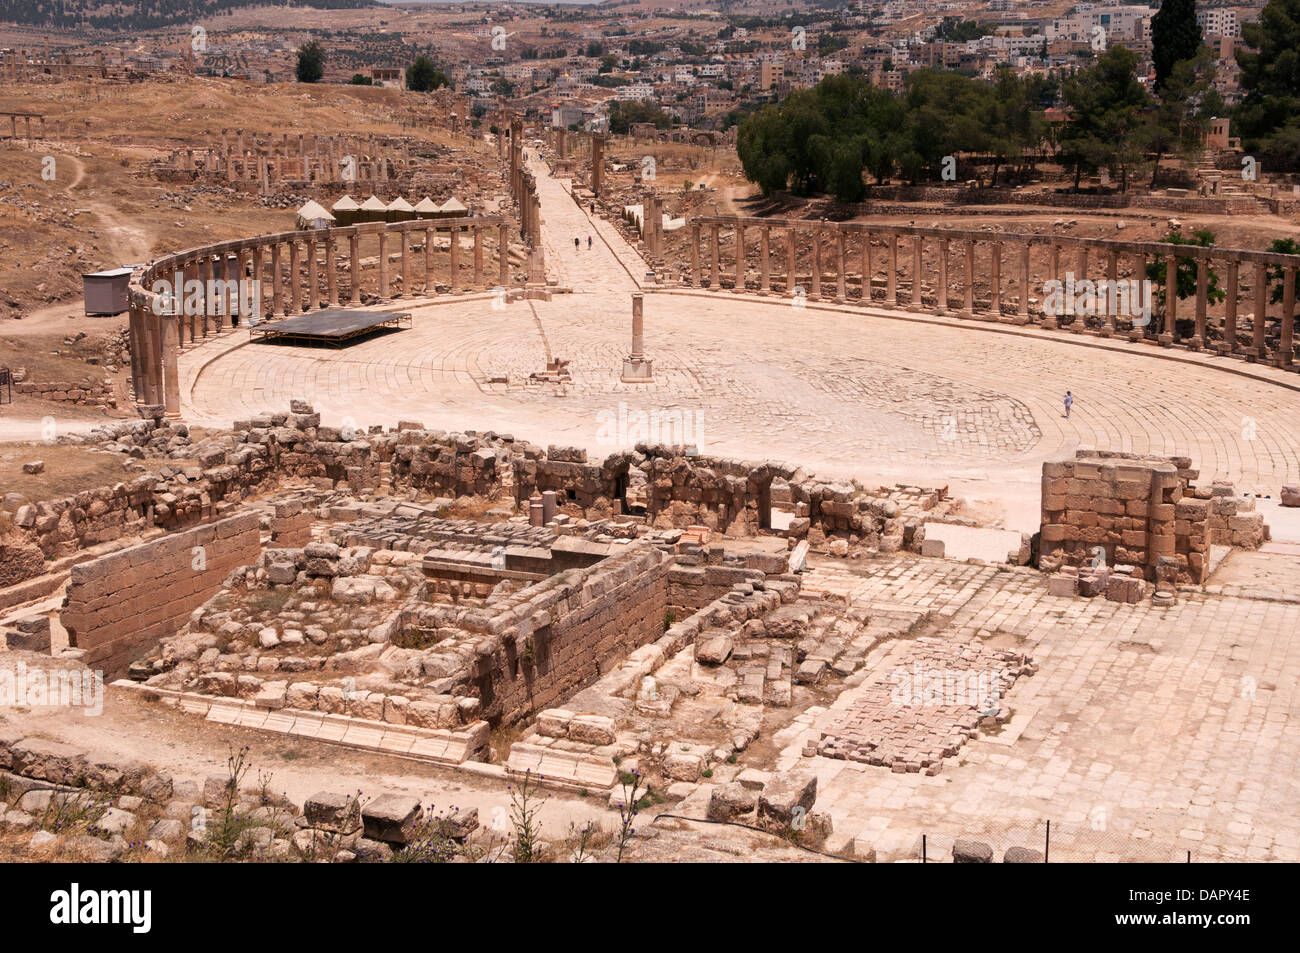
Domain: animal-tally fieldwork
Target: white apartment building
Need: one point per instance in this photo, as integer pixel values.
(1218, 22)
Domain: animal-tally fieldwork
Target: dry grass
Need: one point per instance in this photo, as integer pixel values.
(68, 470)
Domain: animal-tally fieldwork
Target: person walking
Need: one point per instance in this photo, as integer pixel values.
(577, 245)
(588, 241)
(1069, 402)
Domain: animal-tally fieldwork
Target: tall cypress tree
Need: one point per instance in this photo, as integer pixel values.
(1175, 36)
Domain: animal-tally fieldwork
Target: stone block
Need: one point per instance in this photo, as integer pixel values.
(391, 818)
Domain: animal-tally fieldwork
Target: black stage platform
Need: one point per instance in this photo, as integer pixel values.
(334, 327)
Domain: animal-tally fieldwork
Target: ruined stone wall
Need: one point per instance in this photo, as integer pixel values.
(86, 391)
(562, 634)
(63, 526)
(1127, 510)
(118, 606)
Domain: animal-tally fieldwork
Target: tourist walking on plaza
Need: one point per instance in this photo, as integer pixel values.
(588, 241)
(1069, 402)
(577, 245)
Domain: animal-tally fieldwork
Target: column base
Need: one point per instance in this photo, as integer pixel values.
(638, 370)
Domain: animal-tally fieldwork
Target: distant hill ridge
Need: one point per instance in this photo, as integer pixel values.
(143, 14)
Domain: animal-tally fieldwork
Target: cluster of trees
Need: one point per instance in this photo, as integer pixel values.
(1269, 116)
(824, 139)
(423, 77)
(622, 114)
(830, 138)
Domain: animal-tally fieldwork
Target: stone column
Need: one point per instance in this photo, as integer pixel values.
(1024, 283)
(764, 260)
(1229, 343)
(354, 267)
(815, 291)
(135, 331)
(205, 281)
(1053, 275)
(995, 280)
(503, 252)
(943, 275)
(891, 281)
(258, 271)
(791, 259)
(313, 277)
(331, 269)
(1258, 344)
(696, 278)
(739, 286)
(715, 271)
(385, 292)
(404, 236)
(478, 258)
(1202, 286)
(969, 309)
(454, 233)
(171, 346)
(428, 260)
(917, 241)
(839, 264)
(295, 277)
(1171, 299)
(1112, 305)
(1286, 343)
(866, 268)
(637, 368)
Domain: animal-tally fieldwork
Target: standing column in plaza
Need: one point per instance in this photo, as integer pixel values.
(969, 307)
(943, 275)
(839, 264)
(1258, 345)
(428, 260)
(354, 267)
(1202, 288)
(503, 253)
(637, 368)
(331, 268)
(384, 288)
(739, 286)
(715, 270)
(478, 258)
(1024, 284)
(454, 232)
(313, 276)
(135, 334)
(696, 278)
(815, 291)
(916, 272)
(764, 260)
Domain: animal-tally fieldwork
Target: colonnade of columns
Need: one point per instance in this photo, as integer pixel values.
(184, 298)
(833, 274)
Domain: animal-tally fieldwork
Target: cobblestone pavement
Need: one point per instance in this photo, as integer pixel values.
(843, 392)
(1144, 734)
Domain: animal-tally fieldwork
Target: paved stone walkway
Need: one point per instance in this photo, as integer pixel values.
(1145, 732)
(840, 391)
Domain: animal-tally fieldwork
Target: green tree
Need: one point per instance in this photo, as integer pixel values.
(1269, 115)
(1107, 116)
(361, 79)
(1185, 270)
(423, 77)
(1280, 246)
(1185, 107)
(311, 62)
(1175, 36)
